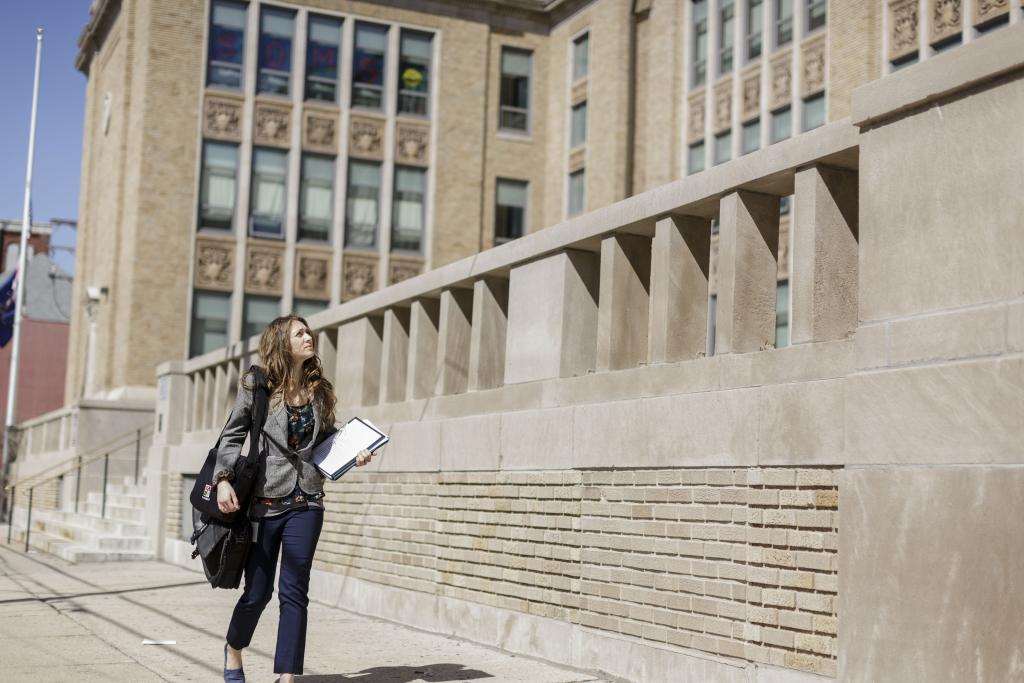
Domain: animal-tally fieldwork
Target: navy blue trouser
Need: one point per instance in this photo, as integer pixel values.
(294, 535)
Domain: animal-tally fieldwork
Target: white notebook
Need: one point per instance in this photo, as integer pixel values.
(337, 454)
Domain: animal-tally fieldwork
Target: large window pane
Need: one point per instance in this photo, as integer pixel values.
(257, 313)
(210, 314)
(726, 19)
(816, 14)
(276, 30)
(783, 22)
(814, 112)
(307, 307)
(362, 204)
(751, 136)
(316, 197)
(269, 173)
(577, 191)
(581, 57)
(227, 44)
(322, 51)
(579, 125)
(217, 185)
(515, 89)
(695, 158)
(782, 124)
(723, 147)
(510, 210)
(755, 19)
(371, 44)
(700, 43)
(409, 208)
(782, 314)
(414, 72)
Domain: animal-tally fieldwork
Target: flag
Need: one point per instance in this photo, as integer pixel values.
(7, 304)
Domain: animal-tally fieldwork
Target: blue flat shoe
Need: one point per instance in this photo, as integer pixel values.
(232, 675)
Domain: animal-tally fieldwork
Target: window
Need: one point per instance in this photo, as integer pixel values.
(784, 205)
(904, 61)
(577, 191)
(783, 22)
(723, 147)
(408, 209)
(751, 136)
(581, 57)
(217, 185)
(712, 327)
(817, 14)
(726, 18)
(210, 314)
(695, 158)
(414, 72)
(782, 314)
(578, 134)
(782, 124)
(814, 112)
(371, 44)
(227, 44)
(510, 210)
(276, 30)
(700, 43)
(322, 51)
(269, 171)
(307, 307)
(316, 198)
(257, 313)
(515, 89)
(362, 204)
(755, 19)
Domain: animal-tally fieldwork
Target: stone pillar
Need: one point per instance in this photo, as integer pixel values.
(198, 396)
(623, 302)
(219, 408)
(395, 356)
(172, 390)
(421, 377)
(357, 382)
(453, 338)
(552, 317)
(487, 339)
(680, 263)
(327, 349)
(824, 285)
(748, 255)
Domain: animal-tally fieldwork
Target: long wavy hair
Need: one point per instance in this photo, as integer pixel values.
(276, 357)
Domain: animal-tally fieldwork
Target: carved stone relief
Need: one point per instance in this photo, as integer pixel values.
(402, 269)
(751, 95)
(723, 105)
(903, 28)
(313, 275)
(579, 91)
(412, 144)
(272, 125)
(781, 80)
(222, 119)
(946, 19)
(215, 261)
(263, 272)
(984, 10)
(577, 159)
(320, 132)
(360, 276)
(814, 68)
(366, 137)
(695, 131)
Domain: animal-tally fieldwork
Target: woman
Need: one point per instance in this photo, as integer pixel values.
(287, 499)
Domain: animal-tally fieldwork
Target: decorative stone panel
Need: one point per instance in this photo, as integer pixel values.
(222, 118)
(577, 159)
(320, 131)
(272, 125)
(781, 79)
(947, 19)
(902, 28)
(403, 267)
(215, 264)
(750, 96)
(412, 144)
(579, 91)
(986, 10)
(313, 274)
(366, 138)
(359, 275)
(813, 66)
(264, 268)
(695, 129)
(723, 106)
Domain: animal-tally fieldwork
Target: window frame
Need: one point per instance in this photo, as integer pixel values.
(332, 160)
(527, 129)
(726, 34)
(691, 149)
(788, 109)
(581, 38)
(501, 239)
(803, 111)
(425, 95)
(211, 62)
(748, 39)
(779, 23)
(423, 209)
(379, 89)
(252, 232)
(580, 173)
(335, 82)
(260, 68)
(193, 330)
(203, 171)
(699, 27)
(349, 196)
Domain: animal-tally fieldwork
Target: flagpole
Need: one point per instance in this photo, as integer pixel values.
(20, 278)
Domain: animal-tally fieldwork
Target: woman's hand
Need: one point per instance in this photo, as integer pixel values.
(363, 457)
(227, 501)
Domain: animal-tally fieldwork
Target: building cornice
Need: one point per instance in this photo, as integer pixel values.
(102, 14)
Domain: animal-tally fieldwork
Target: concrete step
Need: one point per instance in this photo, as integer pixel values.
(76, 554)
(131, 500)
(84, 528)
(109, 550)
(98, 524)
(114, 511)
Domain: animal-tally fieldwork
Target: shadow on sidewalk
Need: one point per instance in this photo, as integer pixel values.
(429, 673)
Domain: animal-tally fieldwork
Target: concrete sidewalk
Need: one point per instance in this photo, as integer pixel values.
(87, 622)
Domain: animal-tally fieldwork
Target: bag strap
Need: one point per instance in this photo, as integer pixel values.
(260, 407)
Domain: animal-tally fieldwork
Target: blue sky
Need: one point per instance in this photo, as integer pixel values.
(58, 153)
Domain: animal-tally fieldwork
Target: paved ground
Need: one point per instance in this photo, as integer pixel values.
(87, 622)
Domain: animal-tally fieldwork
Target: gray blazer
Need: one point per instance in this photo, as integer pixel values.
(284, 466)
